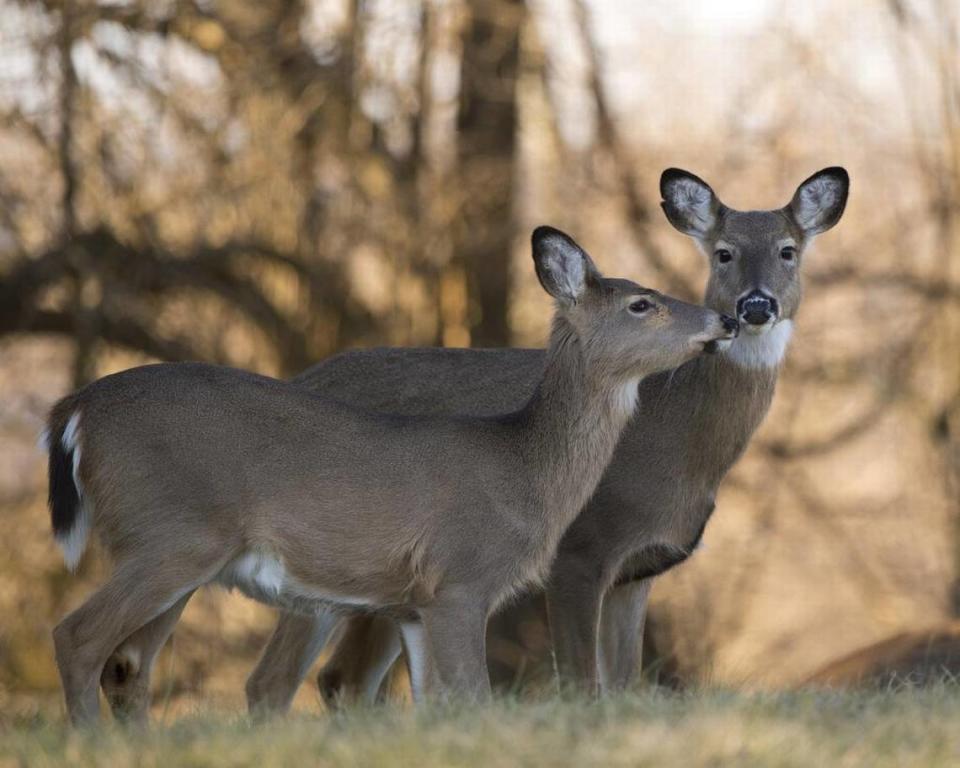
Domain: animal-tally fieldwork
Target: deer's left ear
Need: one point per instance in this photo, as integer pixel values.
(819, 202)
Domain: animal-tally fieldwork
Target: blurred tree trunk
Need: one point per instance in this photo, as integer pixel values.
(84, 290)
(934, 29)
(487, 128)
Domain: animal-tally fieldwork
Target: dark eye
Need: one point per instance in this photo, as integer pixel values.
(789, 253)
(640, 306)
(723, 256)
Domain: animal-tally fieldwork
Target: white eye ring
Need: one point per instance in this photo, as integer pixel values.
(640, 306)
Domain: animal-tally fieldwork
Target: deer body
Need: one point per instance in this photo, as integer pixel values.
(670, 463)
(194, 474)
(346, 535)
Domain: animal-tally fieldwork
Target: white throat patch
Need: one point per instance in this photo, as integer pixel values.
(625, 397)
(761, 351)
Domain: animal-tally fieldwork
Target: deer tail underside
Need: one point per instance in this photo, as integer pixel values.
(70, 513)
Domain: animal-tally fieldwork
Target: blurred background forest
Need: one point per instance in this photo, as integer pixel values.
(263, 183)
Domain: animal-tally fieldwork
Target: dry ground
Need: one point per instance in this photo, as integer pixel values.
(707, 728)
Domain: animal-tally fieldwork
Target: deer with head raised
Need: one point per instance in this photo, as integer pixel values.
(193, 474)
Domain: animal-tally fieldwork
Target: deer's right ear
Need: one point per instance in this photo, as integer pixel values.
(563, 267)
(689, 203)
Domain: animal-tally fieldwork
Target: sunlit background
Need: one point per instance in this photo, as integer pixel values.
(263, 183)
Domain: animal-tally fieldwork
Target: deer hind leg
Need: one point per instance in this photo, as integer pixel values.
(362, 657)
(125, 678)
(295, 644)
(621, 633)
(137, 592)
(574, 597)
(454, 642)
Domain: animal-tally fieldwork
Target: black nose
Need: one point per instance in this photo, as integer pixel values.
(757, 308)
(730, 325)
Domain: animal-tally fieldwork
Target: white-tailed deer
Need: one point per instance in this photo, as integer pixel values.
(650, 510)
(193, 474)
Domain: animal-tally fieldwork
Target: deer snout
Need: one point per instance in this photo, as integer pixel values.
(757, 308)
(730, 328)
(730, 325)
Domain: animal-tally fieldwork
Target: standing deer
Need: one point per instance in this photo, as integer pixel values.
(656, 497)
(193, 474)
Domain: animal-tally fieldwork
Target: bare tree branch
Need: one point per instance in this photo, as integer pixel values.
(638, 213)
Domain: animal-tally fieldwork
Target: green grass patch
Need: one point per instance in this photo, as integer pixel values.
(650, 728)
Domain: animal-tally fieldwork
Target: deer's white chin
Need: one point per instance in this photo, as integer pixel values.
(765, 349)
(625, 397)
(757, 330)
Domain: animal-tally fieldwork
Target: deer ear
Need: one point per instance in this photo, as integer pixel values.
(819, 202)
(689, 203)
(563, 267)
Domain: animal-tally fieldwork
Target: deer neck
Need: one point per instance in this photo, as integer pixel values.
(747, 371)
(721, 399)
(571, 427)
(731, 400)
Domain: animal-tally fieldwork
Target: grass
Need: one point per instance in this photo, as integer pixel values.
(910, 726)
